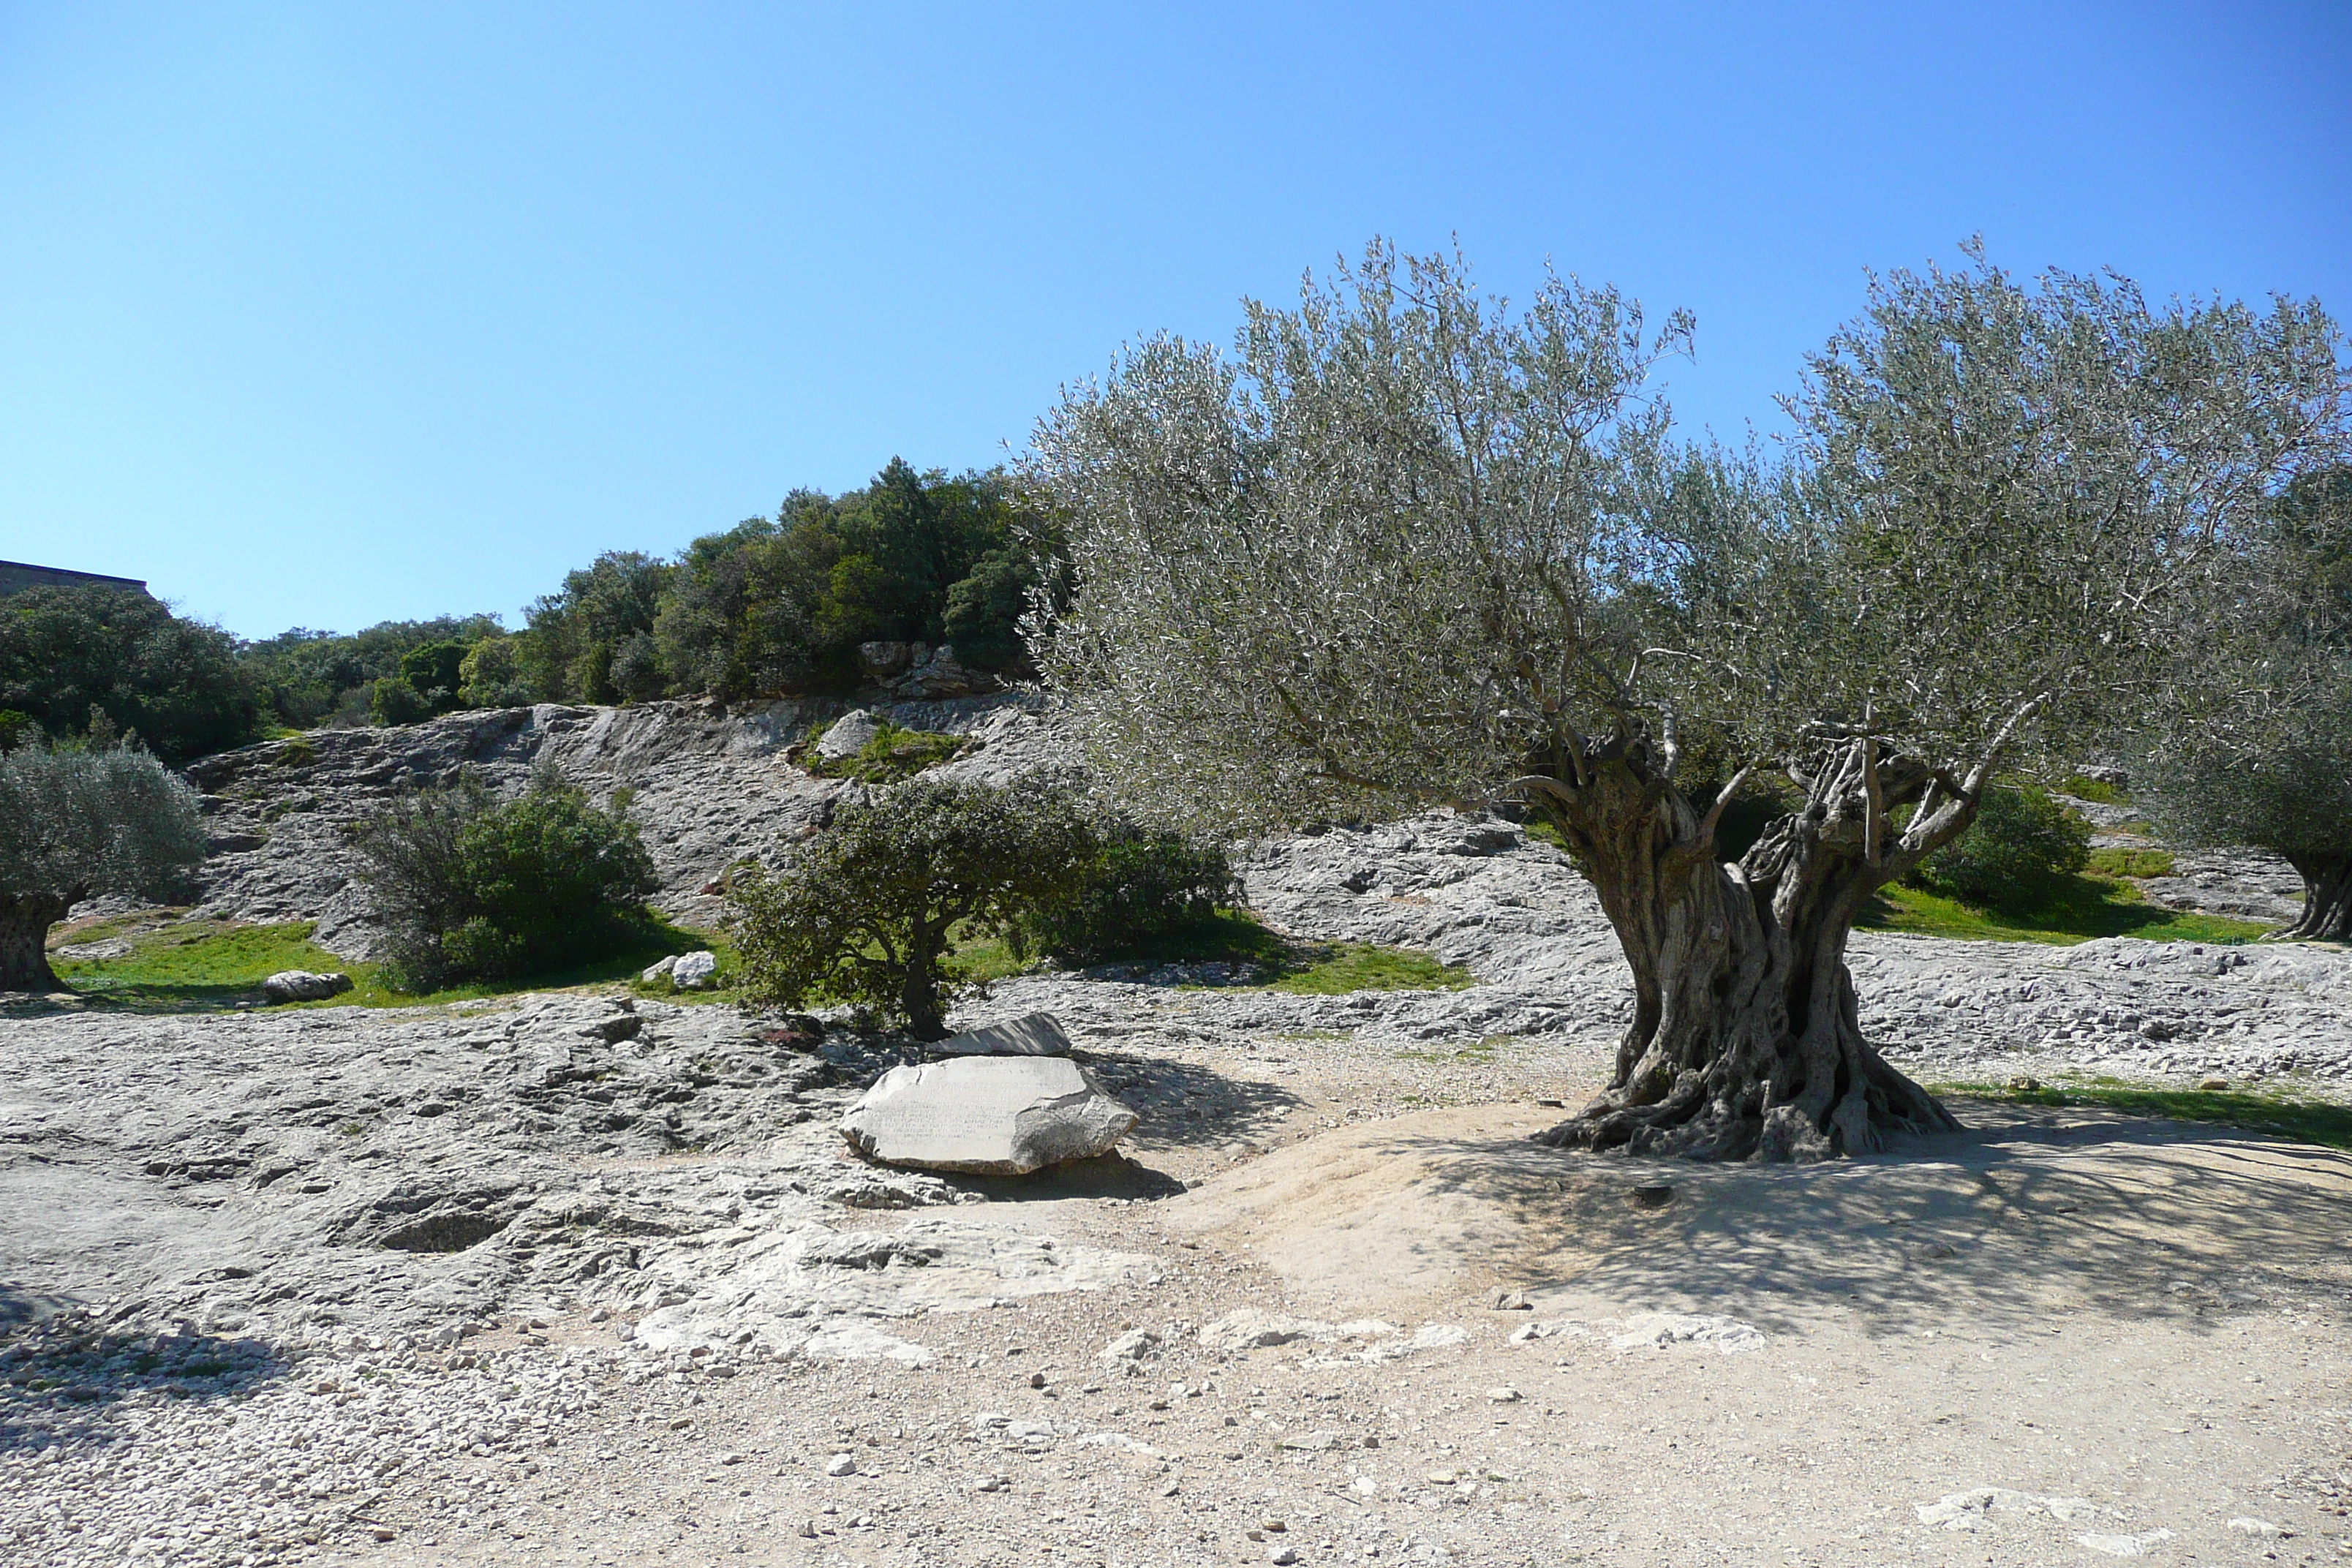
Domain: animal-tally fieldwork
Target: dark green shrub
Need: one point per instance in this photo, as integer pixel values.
(869, 910)
(67, 652)
(1136, 889)
(434, 668)
(2016, 856)
(309, 678)
(392, 700)
(468, 887)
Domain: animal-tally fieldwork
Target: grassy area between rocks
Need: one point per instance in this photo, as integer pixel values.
(176, 964)
(2286, 1113)
(2089, 907)
(1281, 964)
(892, 754)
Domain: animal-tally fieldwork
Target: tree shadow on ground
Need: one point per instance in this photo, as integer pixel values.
(1112, 1175)
(2031, 1214)
(63, 1367)
(1183, 1104)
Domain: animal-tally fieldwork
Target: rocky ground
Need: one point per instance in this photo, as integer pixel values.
(583, 1278)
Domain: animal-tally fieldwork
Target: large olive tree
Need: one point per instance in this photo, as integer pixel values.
(2253, 744)
(1405, 544)
(75, 823)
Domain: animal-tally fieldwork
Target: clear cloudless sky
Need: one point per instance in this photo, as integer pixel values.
(327, 315)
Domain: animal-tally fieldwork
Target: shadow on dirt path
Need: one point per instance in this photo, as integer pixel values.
(2029, 1213)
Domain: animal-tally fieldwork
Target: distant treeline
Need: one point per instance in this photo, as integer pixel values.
(771, 606)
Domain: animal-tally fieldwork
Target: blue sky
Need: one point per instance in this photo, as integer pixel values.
(326, 315)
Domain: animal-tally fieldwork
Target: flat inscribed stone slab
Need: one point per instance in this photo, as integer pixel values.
(1032, 1035)
(993, 1116)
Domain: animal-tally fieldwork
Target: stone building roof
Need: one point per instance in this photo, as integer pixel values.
(16, 576)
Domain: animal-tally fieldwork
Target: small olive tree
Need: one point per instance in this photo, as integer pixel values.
(79, 823)
(868, 910)
(1406, 545)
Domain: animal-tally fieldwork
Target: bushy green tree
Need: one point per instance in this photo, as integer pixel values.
(782, 604)
(870, 910)
(575, 633)
(492, 676)
(78, 822)
(395, 700)
(1134, 889)
(66, 652)
(309, 678)
(2016, 856)
(433, 668)
(469, 888)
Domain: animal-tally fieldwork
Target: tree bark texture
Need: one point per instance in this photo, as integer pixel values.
(919, 996)
(1746, 1042)
(25, 922)
(2327, 902)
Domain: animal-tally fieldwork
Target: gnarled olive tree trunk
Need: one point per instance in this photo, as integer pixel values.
(25, 922)
(2327, 902)
(1744, 1041)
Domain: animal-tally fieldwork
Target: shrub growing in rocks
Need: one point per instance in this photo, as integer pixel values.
(2016, 855)
(468, 887)
(75, 823)
(1136, 889)
(869, 910)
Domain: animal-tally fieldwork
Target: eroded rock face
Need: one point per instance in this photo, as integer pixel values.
(986, 1116)
(709, 782)
(297, 1175)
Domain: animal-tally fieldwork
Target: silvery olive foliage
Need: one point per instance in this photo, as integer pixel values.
(2252, 745)
(1387, 548)
(76, 822)
(1406, 542)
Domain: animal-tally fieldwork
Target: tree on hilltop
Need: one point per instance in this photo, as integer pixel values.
(1404, 545)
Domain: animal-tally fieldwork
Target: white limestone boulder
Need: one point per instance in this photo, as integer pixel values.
(1002, 1115)
(1031, 1034)
(847, 735)
(302, 985)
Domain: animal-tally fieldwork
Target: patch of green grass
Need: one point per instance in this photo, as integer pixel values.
(194, 965)
(1231, 936)
(1334, 969)
(2305, 1120)
(891, 755)
(2085, 788)
(2089, 907)
(2121, 860)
